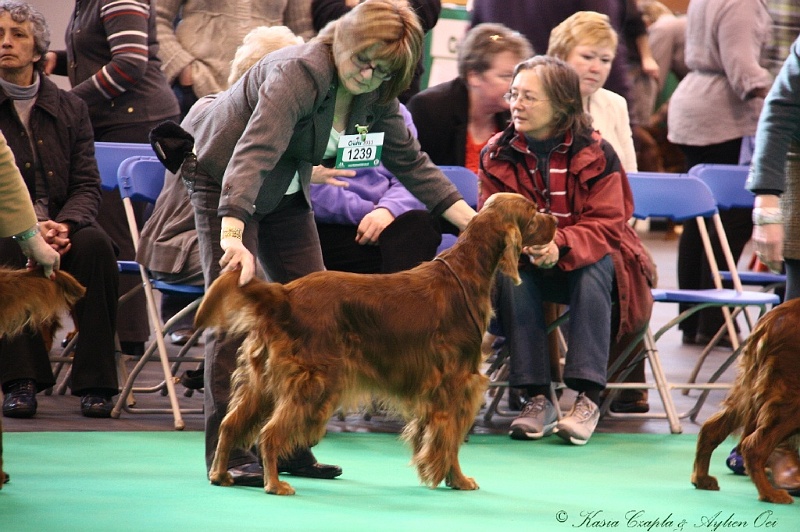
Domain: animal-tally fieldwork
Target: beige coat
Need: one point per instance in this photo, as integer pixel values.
(210, 31)
(16, 211)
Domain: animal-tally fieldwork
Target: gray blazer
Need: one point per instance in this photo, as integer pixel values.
(276, 121)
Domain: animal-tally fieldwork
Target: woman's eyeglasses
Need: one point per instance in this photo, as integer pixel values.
(524, 98)
(362, 64)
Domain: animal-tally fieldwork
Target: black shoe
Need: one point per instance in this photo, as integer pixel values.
(725, 341)
(6, 479)
(134, 349)
(193, 379)
(689, 339)
(637, 406)
(251, 475)
(20, 399)
(93, 405)
(302, 463)
(315, 470)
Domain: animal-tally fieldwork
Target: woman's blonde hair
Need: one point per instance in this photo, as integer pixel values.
(258, 43)
(486, 41)
(562, 86)
(582, 28)
(390, 23)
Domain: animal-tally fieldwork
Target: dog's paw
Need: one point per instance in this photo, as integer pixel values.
(776, 496)
(279, 488)
(221, 479)
(462, 483)
(705, 483)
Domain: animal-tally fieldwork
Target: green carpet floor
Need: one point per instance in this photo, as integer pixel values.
(106, 481)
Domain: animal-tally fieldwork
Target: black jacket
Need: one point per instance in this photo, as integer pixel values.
(64, 140)
(440, 114)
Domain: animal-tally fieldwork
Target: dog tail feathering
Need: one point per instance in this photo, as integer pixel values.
(236, 309)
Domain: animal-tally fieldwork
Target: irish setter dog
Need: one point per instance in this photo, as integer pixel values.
(29, 300)
(764, 402)
(412, 338)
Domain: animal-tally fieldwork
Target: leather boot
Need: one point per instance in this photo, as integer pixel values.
(784, 463)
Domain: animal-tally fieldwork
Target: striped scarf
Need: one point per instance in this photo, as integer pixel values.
(549, 175)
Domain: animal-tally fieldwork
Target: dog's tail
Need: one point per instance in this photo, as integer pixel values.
(237, 309)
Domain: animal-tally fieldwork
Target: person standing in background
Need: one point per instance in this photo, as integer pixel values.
(112, 64)
(712, 109)
(198, 39)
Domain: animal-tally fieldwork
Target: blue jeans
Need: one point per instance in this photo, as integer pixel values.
(589, 293)
(287, 246)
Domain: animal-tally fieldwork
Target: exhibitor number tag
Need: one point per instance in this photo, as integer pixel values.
(359, 151)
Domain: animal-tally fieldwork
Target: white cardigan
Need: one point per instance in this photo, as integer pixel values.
(609, 113)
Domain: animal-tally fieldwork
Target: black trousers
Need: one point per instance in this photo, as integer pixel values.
(92, 262)
(410, 239)
(693, 269)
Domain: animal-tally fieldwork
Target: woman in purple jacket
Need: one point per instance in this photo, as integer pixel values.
(374, 224)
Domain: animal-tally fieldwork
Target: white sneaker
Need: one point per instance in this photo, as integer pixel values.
(537, 419)
(578, 426)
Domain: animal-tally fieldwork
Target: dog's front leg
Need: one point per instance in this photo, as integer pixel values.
(474, 388)
(218, 475)
(269, 455)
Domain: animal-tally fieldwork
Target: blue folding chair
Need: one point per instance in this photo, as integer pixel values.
(141, 178)
(681, 197)
(466, 182)
(726, 182)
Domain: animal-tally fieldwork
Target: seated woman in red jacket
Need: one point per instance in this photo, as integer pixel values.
(550, 154)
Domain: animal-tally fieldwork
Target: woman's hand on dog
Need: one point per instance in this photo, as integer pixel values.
(40, 253)
(237, 257)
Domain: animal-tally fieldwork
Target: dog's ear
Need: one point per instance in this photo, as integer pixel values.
(509, 260)
(541, 230)
(73, 290)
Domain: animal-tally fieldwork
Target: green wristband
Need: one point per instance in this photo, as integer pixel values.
(27, 235)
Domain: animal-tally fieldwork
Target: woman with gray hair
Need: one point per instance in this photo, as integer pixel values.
(456, 118)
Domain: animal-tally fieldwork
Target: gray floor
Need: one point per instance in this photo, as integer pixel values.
(62, 413)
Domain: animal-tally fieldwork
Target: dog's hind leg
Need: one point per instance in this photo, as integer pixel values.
(757, 447)
(712, 433)
(299, 421)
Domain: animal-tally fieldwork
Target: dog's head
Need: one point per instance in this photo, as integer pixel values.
(32, 301)
(524, 226)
